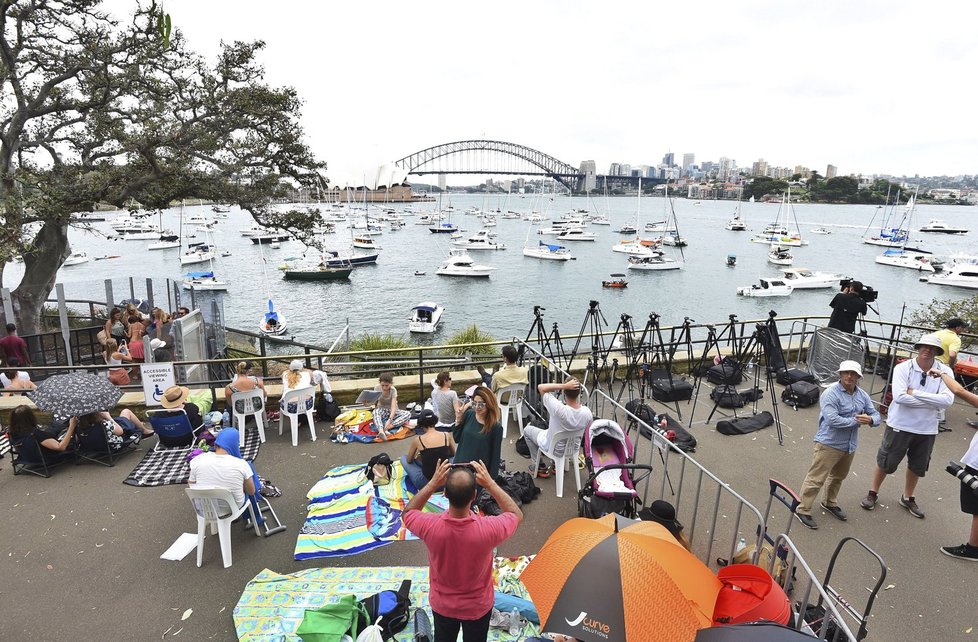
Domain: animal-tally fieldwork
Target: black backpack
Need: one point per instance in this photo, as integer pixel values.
(727, 397)
(392, 607)
(383, 459)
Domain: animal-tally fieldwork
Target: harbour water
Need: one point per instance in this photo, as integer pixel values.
(378, 298)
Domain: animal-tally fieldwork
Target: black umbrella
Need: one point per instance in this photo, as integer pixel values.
(752, 632)
(75, 394)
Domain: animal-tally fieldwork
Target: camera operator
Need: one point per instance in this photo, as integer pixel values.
(847, 306)
(969, 500)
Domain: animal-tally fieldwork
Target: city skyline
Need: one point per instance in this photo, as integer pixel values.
(873, 89)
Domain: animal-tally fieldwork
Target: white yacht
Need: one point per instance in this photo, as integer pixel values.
(425, 317)
(779, 256)
(365, 243)
(658, 261)
(600, 220)
(766, 288)
(961, 274)
(937, 226)
(576, 234)
(636, 247)
(199, 254)
(459, 263)
(805, 279)
(548, 252)
(481, 240)
(673, 238)
(736, 224)
(203, 281)
(76, 258)
(905, 258)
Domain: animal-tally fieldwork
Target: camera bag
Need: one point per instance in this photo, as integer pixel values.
(672, 388)
(745, 425)
(801, 394)
(392, 607)
(788, 376)
(727, 397)
(728, 372)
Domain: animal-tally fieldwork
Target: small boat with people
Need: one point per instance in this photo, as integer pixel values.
(459, 263)
(548, 252)
(937, 226)
(731, 260)
(779, 255)
(766, 288)
(425, 317)
(272, 323)
(76, 258)
(617, 280)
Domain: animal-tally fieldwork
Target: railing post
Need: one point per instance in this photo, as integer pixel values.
(8, 308)
(63, 317)
(421, 375)
(109, 299)
(261, 351)
(149, 293)
(132, 288)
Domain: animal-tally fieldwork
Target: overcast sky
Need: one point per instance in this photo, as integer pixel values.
(872, 87)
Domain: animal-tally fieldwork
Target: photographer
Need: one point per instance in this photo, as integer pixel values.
(969, 498)
(847, 306)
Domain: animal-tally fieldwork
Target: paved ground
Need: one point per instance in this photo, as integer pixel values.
(83, 549)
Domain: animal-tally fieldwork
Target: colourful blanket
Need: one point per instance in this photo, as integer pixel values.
(272, 605)
(347, 514)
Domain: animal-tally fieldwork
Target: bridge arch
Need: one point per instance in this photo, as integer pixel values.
(431, 161)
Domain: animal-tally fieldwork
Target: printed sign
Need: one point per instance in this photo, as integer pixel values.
(157, 377)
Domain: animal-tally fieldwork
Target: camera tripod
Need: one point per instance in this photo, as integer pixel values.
(545, 341)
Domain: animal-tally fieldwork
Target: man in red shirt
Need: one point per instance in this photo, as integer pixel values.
(13, 347)
(460, 548)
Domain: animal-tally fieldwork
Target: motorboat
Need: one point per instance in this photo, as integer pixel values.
(425, 317)
(321, 272)
(779, 256)
(253, 230)
(731, 260)
(821, 230)
(635, 247)
(200, 219)
(203, 281)
(220, 209)
(937, 226)
(164, 243)
(459, 263)
(272, 323)
(907, 258)
(138, 232)
(576, 234)
(365, 243)
(766, 288)
(659, 227)
(128, 221)
(658, 261)
(76, 258)
(805, 279)
(198, 254)
(87, 217)
(789, 240)
(963, 273)
(672, 238)
(481, 240)
(600, 220)
(548, 251)
(617, 280)
(267, 238)
(627, 229)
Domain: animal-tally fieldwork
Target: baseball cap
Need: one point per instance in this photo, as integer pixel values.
(427, 418)
(156, 344)
(930, 340)
(851, 366)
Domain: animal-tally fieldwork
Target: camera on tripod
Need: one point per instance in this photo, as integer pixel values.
(868, 294)
(969, 480)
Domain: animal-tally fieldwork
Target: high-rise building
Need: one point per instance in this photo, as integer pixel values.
(669, 159)
(625, 169)
(831, 171)
(759, 168)
(688, 161)
(803, 171)
(614, 169)
(590, 180)
(726, 168)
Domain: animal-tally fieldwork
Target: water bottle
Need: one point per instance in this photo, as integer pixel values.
(741, 544)
(226, 419)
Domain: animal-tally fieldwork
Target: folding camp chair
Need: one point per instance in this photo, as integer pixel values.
(94, 446)
(173, 428)
(29, 457)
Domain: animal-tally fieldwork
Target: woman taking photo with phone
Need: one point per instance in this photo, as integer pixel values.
(478, 433)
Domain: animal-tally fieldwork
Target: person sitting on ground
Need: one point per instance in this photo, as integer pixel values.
(477, 432)
(23, 422)
(387, 417)
(114, 355)
(444, 400)
(567, 416)
(427, 450)
(176, 398)
(118, 431)
(510, 373)
(224, 468)
(14, 379)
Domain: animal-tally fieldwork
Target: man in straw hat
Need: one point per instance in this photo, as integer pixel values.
(911, 424)
(175, 398)
(845, 407)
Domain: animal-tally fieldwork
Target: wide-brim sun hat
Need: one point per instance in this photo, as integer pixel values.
(851, 366)
(174, 396)
(931, 340)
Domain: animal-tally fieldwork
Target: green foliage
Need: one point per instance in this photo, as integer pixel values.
(471, 334)
(761, 186)
(938, 311)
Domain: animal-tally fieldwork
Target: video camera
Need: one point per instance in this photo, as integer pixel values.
(967, 479)
(869, 295)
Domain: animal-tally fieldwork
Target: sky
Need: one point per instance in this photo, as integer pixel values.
(873, 87)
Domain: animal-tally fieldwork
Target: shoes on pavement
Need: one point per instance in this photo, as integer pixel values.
(911, 505)
(962, 552)
(545, 471)
(869, 502)
(973, 424)
(807, 521)
(836, 512)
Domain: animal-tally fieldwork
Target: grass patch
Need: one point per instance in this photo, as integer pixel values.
(471, 334)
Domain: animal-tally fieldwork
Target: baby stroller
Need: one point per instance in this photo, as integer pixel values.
(612, 476)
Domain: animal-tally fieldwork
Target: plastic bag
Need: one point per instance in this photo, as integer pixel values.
(372, 633)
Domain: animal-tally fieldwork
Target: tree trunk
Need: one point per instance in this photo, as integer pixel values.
(40, 272)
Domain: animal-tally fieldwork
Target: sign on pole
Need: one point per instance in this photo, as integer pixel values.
(157, 377)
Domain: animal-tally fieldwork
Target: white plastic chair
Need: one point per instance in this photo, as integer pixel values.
(513, 394)
(253, 404)
(216, 506)
(564, 448)
(304, 399)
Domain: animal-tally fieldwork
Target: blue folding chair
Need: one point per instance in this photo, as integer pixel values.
(172, 428)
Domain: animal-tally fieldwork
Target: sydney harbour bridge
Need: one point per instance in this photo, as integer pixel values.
(508, 159)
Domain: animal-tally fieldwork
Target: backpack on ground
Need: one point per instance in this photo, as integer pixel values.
(327, 409)
(728, 372)
(787, 376)
(377, 467)
(392, 607)
(727, 397)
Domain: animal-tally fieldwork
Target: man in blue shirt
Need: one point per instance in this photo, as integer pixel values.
(844, 408)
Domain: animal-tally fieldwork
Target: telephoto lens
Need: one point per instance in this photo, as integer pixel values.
(969, 480)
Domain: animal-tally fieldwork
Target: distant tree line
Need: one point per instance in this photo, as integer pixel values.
(838, 189)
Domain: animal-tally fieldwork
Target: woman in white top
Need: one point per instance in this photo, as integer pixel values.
(114, 356)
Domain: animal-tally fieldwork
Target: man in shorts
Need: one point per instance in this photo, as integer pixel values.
(911, 423)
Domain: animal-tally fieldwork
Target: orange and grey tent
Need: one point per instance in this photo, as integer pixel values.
(615, 579)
